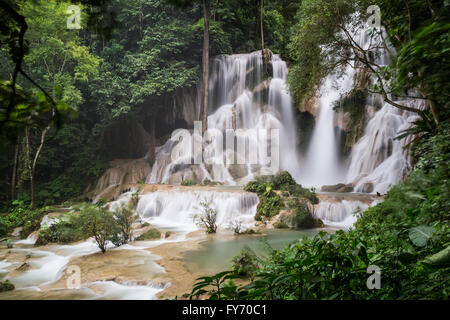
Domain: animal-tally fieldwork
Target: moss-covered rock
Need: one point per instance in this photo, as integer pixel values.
(340, 187)
(302, 218)
(188, 183)
(270, 202)
(6, 286)
(151, 234)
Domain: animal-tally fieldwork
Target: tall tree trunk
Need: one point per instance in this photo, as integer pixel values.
(32, 165)
(14, 173)
(264, 53)
(30, 169)
(205, 67)
(262, 25)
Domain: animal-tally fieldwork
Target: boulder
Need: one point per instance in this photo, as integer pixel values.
(340, 187)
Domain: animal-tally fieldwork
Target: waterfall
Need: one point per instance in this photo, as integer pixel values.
(378, 160)
(240, 98)
(339, 213)
(322, 166)
(178, 208)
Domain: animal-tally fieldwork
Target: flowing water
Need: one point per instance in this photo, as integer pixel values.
(242, 98)
(176, 209)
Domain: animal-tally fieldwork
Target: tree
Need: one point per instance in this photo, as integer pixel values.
(98, 223)
(205, 57)
(124, 218)
(208, 218)
(326, 43)
(59, 61)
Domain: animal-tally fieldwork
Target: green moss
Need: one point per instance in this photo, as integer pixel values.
(188, 183)
(303, 218)
(281, 224)
(269, 205)
(6, 286)
(151, 234)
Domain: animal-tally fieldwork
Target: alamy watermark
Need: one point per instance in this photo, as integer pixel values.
(74, 20)
(374, 281)
(74, 279)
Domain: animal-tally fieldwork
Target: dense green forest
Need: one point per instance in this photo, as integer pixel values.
(108, 78)
(71, 100)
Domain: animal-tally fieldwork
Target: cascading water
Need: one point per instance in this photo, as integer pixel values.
(378, 160)
(240, 99)
(176, 209)
(339, 214)
(322, 166)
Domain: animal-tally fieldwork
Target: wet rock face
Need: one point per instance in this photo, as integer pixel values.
(124, 171)
(121, 174)
(126, 140)
(340, 187)
(24, 267)
(367, 187)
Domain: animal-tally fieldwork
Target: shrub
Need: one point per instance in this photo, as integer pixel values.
(135, 197)
(65, 231)
(282, 223)
(188, 182)
(98, 223)
(281, 179)
(66, 204)
(101, 203)
(298, 191)
(6, 286)
(124, 219)
(269, 204)
(23, 216)
(207, 219)
(250, 231)
(236, 226)
(245, 263)
(150, 235)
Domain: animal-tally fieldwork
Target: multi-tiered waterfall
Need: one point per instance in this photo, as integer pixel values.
(242, 99)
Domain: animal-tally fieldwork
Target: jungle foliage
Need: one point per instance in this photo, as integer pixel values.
(407, 236)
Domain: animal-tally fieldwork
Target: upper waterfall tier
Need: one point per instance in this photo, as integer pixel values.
(245, 99)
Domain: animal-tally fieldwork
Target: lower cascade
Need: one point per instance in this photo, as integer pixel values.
(178, 208)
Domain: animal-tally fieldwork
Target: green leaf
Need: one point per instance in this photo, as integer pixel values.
(420, 235)
(442, 258)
